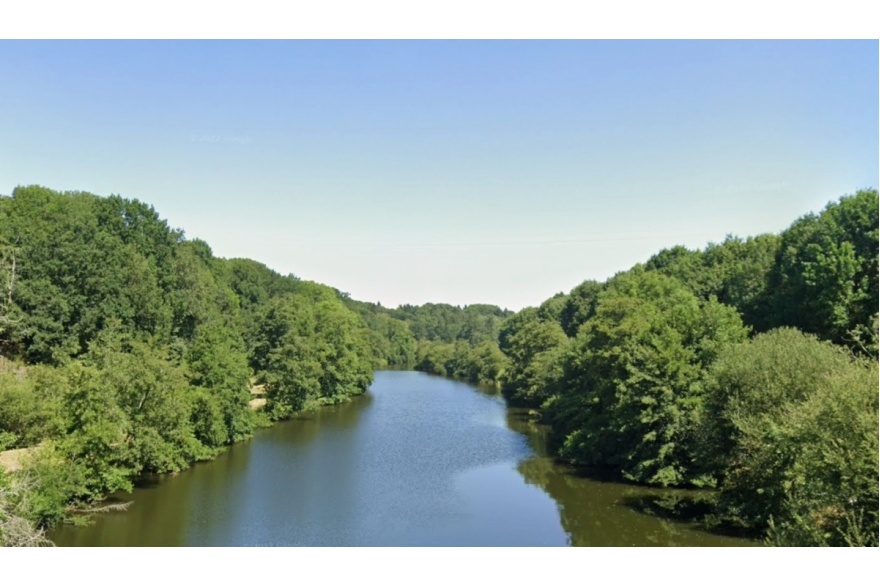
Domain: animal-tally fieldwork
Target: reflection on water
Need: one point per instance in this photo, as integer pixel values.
(606, 513)
(420, 460)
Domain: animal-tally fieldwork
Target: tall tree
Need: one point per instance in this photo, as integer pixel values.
(630, 390)
(826, 277)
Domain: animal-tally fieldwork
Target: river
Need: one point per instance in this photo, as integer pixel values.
(418, 461)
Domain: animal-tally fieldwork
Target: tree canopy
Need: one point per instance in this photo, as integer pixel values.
(127, 349)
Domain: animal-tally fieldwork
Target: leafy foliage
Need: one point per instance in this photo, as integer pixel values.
(483, 364)
(535, 346)
(826, 276)
(450, 340)
(579, 306)
(790, 427)
(446, 323)
(128, 350)
(630, 385)
(140, 346)
(310, 347)
(391, 340)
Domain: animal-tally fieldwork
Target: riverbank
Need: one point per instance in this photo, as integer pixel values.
(13, 460)
(21, 490)
(418, 461)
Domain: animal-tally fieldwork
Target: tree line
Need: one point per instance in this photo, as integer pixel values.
(441, 339)
(749, 367)
(128, 350)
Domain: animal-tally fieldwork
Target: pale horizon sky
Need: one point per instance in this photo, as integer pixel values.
(462, 172)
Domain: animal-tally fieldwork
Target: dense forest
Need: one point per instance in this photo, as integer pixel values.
(128, 350)
(749, 367)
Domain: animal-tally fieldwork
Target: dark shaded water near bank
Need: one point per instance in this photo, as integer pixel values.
(419, 461)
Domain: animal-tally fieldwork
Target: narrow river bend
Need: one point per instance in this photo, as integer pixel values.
(418, 461)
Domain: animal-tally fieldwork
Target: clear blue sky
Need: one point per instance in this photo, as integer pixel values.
(460, 172)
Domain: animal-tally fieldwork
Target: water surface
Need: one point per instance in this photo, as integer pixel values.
(418, 461)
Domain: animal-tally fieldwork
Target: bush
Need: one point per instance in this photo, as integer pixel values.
(790, 428)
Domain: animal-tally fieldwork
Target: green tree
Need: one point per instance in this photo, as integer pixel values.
(346, 368)
(790, 428)
(826, 276)
(630, 389)
(217, 364)
(534, 347)
(156, 398)
(81, 261)
(579, 306)
(97, 434)
(487, 363)
(435, 357)
(285, 357)
(310, 347)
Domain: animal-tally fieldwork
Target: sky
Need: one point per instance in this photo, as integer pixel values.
(461, 172)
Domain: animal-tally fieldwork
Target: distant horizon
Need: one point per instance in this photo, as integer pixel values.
(566, 291)
(454, 172)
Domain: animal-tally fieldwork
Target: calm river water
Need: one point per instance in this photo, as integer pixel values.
(418, 461)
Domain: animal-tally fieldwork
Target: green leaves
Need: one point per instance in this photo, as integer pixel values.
(825, 280)
(81, 261)
(445, 323)
(309, 346)
(483, 364)
(535, 347)
(790, 428)
(629, 392)
(142, 344)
